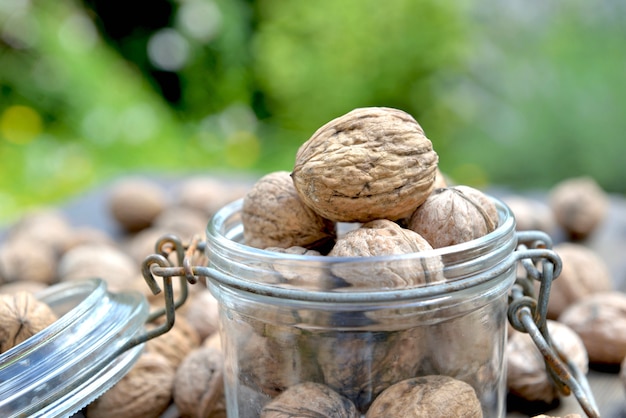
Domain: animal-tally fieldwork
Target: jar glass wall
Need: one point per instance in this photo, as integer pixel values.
(352, 325)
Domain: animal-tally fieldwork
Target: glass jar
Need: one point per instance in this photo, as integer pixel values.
(288, 319)
(64, 367)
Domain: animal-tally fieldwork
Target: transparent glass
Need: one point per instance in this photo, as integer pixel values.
(70, 363)
(359, 325)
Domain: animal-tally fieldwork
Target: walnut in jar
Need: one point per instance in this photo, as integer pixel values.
(309, 399)
(273, 215)
(454, 215)
(383, 237)
(22, 316)
(527, 376)
(199, 384)
(427, 396)
(600, 321)
(371, 163)
(360, 365)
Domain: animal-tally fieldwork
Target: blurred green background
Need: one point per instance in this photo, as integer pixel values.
(517, 93)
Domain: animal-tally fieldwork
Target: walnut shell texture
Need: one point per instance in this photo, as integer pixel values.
(309, 399)
(199, 384)
(383, 237)
(22, 316)
(146, 391)
(368, 164)
(527, 377)
(428, 396)
(600, 320)
(361, 365)
(273, 215)
(454, 215)
(175, 344)
(584, 272)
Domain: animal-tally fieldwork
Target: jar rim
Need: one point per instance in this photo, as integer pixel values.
(506, 226)
(476, 261)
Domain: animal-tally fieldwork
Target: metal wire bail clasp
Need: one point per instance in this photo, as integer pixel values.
(527, 313)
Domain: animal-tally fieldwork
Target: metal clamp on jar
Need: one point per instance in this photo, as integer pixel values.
(285, 322)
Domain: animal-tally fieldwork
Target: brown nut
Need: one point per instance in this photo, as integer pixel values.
(383, 238)
(579, 206)
(146, 391)
(371, 163)
(454, 215)
(527, 377)
(135, 202)
(273, 215)
(202, 313)
(199, 385)
(584, 272)
(309, 400)
(24, 259)
(361, 365)
(600, 320)
(428, 396)
(176, 343)
(531, 214)
(106, 262)
(209, 194)
(21, 317)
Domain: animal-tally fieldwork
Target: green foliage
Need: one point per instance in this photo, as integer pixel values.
(516, 93)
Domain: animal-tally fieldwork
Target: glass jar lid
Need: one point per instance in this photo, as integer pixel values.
(66, 366)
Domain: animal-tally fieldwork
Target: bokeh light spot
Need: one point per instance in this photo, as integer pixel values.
(20, 124)
(168, 50)
(200, 20)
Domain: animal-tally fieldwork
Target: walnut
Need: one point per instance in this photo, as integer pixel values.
(428, 396)
(45, 227)
(310, 277)
(309, 399)
(384, 238)
(106, 262)
(584, 272)
(273, 215)
(454, 215)
(25, 259)
(527, 377)
(29, 286)
(202, 313)
(146, 391)
(175, 344)
(135, 202)
(22, 316)
(531, 214)
(466, 345)
(199, 385)
(208, 194)
(600, 320)
(360, 365)
(371, 163)
(269, 365)
(181, 221)
(579, 206)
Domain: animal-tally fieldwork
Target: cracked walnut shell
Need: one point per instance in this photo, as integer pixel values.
(22, 316)
(371, 163)
(454, 215)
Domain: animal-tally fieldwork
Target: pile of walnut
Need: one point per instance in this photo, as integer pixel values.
(399, 202)
(179, 373)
